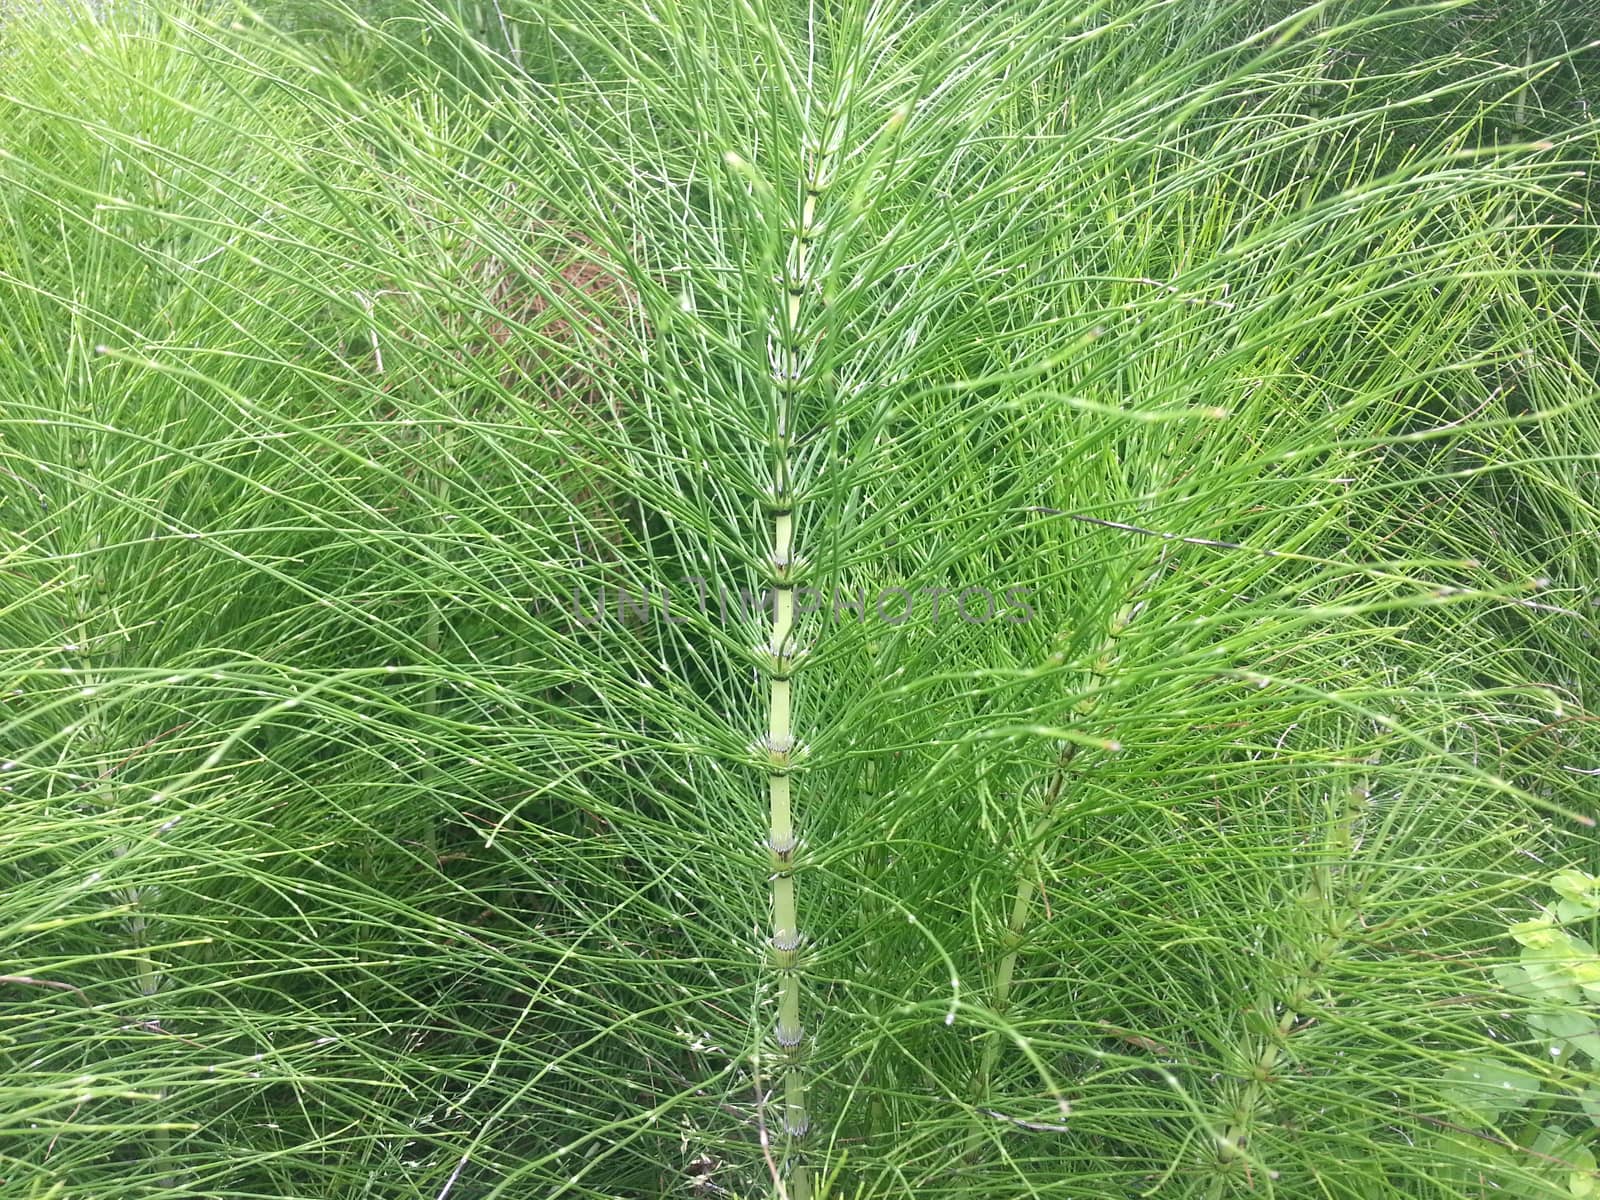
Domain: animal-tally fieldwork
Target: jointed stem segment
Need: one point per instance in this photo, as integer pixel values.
(791, 332)
(1026, 886)
(786, 938)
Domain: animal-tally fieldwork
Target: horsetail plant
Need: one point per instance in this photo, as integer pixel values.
(796, 326)
(781, 657)
(1328, 907)
(935, 320)
(1096, 677)
(93, 741)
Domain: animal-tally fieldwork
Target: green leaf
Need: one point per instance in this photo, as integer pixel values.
(1514, 979)
(1581, 1182)
(1562, 1022)
(1556, 1142)
(1549, 975)
(1589, 1101)
(1579, 887)
(1575, 910)
(1586, 973)
(1485, 1090)
(1567, 1027)
(1540, 933)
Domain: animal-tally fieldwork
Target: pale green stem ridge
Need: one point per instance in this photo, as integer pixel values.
(1017, 925)
(432, 639)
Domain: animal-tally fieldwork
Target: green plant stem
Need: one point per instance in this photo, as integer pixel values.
(1028, 878)
(433, 640)
(782, 842)
(1328, 920)
(1016, 927)
(89, 599)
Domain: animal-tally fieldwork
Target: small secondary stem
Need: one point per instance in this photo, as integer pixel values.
(89, 599)
(1032, 871)
(1328, 922)
(1027, 885)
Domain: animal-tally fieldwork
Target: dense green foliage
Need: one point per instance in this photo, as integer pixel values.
(356, 363)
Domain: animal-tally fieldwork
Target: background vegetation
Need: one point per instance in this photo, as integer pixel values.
(349, 355)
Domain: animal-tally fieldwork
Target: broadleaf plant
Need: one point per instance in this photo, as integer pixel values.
(1555, 975)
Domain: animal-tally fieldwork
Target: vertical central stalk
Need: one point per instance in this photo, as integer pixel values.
(779, 660)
